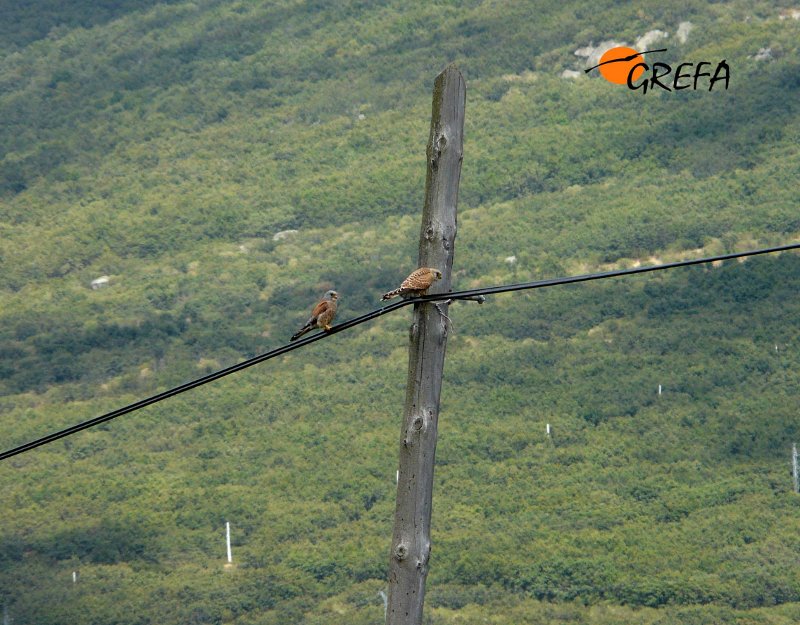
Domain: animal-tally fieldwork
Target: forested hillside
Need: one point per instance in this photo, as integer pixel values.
(223, 163)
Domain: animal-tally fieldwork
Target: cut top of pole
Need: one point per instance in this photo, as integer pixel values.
(445, 152)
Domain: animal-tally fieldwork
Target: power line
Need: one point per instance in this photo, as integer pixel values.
(346, 325)
(538, 284)
(198, 382)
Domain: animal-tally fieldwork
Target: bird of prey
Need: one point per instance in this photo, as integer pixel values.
(416, 284)
(321, 316)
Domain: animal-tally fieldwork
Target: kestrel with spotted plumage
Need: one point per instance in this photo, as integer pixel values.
(321, 316)
(416, 284)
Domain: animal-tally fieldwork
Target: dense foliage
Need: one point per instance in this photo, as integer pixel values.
(165, 144)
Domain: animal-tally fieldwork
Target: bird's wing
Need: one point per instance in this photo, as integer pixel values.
(320, 308)
(419, 280)
(326, 316)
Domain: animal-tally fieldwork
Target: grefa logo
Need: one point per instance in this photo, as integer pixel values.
(625, 66)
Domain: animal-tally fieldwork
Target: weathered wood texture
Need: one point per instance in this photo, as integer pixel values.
(411, 541)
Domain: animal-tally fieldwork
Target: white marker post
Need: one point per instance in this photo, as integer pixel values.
(385, 602)
(228, 540)
(659, 389)
(548, 429)
(795, 479)
(74, 576)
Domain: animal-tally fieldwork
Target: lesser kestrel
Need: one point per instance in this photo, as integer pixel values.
(321, 316)
(416, 284)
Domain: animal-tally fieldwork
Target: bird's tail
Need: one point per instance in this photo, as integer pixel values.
(301, 331)
(392, 294)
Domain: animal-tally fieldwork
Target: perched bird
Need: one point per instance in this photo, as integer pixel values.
(321, 316)
(416, 284)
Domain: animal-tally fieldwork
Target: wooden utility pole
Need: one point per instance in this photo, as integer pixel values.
(411, 541)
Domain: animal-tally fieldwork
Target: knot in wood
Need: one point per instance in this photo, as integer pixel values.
(439, 143)
(401, 551)
(417, 423)
(429, 232)
(425, 555)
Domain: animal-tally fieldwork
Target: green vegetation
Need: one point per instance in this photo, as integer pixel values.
(165, 144)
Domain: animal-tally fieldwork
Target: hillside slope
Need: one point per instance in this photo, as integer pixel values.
(165, 145)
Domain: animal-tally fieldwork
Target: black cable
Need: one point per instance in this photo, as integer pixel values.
(456, 295)
(198, 382)
(492, 290)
